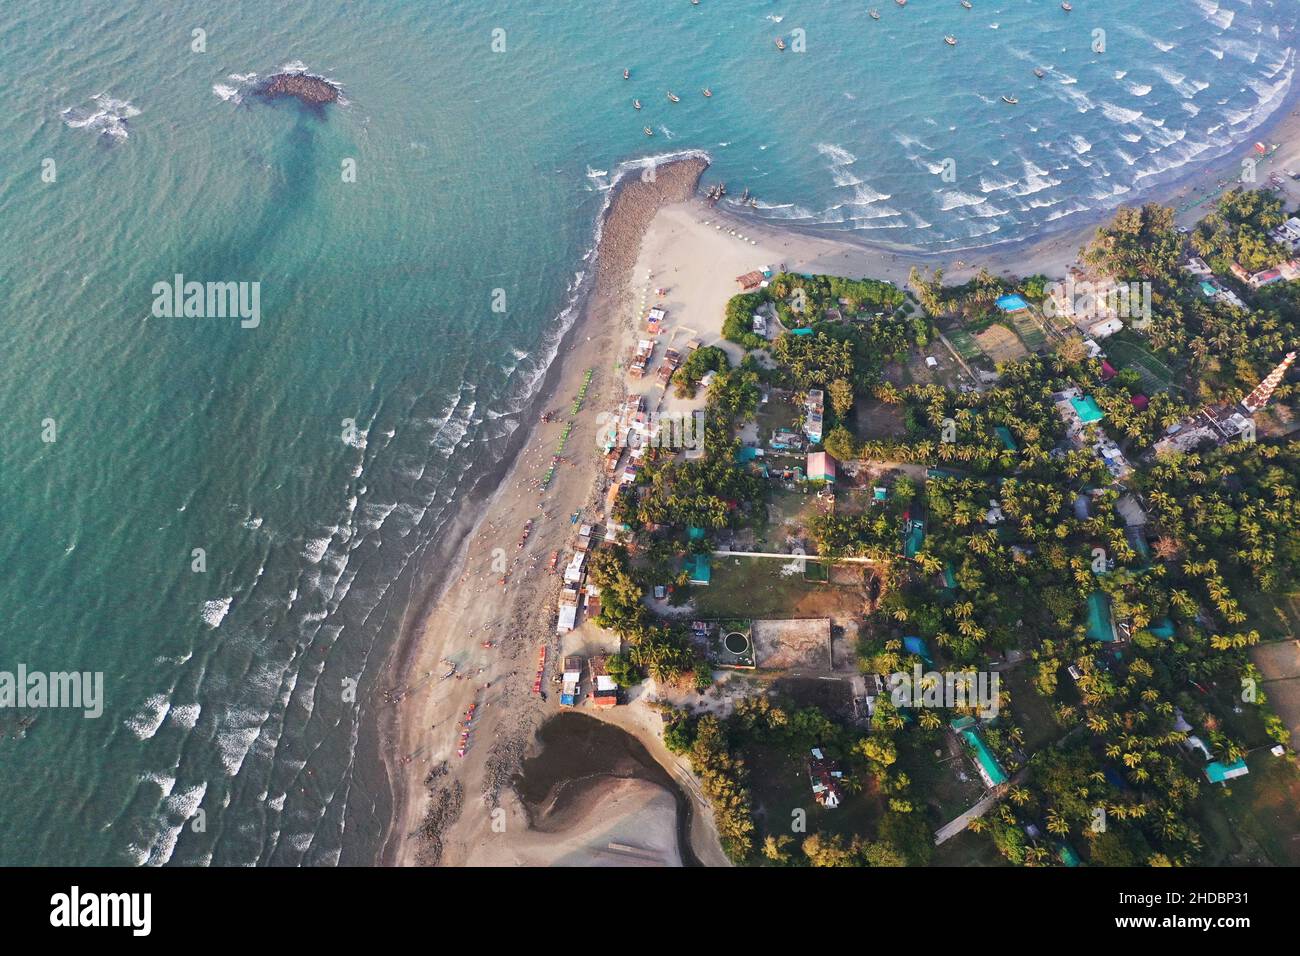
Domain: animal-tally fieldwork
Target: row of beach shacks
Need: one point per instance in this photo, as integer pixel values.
(576, 591)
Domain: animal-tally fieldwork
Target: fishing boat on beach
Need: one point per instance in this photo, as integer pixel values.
(950, 40)
(780, 44)
(1010, 100)
(636, 104)
(674, 97)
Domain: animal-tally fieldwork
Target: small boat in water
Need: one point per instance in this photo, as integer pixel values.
(707, 92)
(901, 3)
(647, 130)
(967, 4)
(636, 104)
(674, 97)
(1038, 72)
(1066, 6)
(1011, 100)
(780, 44)
(874, 14)
(627, 74)
(950, 40)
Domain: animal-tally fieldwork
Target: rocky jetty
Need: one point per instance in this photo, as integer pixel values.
(312, 90)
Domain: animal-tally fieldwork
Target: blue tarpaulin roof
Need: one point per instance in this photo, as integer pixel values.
(917, 646)
(1162, 628)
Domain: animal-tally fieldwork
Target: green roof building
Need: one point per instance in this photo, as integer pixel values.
(1100, 627)
(1087, 409)
(1219, 772)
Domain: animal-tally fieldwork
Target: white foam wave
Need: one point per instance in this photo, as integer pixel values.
(215, 611)
(108, 117)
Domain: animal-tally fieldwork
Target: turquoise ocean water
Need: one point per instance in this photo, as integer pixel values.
(476, 170)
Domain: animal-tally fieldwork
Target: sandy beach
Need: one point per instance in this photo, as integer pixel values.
(664, 245)
(445, 803)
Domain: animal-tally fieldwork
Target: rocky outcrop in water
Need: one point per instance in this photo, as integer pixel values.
(312, 90)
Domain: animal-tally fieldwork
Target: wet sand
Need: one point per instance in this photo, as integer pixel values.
(577, 759)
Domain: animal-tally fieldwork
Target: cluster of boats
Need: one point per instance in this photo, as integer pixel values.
(875, 14)
(952, 40)
(672, 98)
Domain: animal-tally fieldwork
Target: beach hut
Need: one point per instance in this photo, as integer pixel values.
(604, 691)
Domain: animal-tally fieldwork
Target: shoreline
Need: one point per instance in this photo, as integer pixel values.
(440, 624)
(450, 616)
(1018, 256)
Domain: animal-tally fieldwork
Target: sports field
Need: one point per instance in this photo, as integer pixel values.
(965, 343)
(1156, 375)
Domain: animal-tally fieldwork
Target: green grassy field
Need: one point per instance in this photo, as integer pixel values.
(778, 782)
(1030, 332)
(756, 588)
(1278, 617)
(1031, 711)
(1156, 375)
(934, 779)
(965, 344)
(968, 849)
